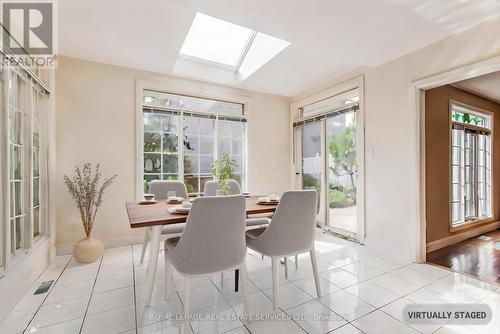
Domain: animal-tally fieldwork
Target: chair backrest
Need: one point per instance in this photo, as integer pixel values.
(160, 188)
(292, 227)
(211, 188)
(214, 236)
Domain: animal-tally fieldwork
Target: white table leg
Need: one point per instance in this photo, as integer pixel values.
(153, 261)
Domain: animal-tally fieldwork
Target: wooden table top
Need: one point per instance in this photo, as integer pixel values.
(157, 214)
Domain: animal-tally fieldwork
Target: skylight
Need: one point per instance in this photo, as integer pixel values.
(223, 43)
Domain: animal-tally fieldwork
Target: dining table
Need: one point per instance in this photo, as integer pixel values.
(158, 213)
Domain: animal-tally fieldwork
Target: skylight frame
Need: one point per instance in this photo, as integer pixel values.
(247, 48)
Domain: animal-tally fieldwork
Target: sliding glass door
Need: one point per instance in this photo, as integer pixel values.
(342, 168)
(331, 151)
(312, 161)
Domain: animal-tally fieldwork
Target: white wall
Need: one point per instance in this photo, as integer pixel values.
(391, 129)
(96, 112)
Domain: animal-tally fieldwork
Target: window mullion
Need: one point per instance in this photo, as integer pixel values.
(180, 150)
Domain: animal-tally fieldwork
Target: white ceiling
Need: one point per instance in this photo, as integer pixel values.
(487, 86)
(329, 38)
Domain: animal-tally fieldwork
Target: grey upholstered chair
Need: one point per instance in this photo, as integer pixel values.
(291, 231)
(318, 207)
(213, 241)
(160, 189)
(211, 188)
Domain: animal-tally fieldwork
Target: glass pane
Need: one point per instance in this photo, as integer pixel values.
(17, 163)
(36, 221)
(239, 164)
(170, 142)
(170, 163)
(191, 145)
(332, 102)
(192, 103)
(36, 135)
(12, 200)
(170, 176)
(191, 125)
(16, 128)
(152, 163)
(206, 163)
(152, 122)
(224, 128)
(12, 236)
(170, 123)
(455, 193)
(206, 145)
(224, 146)
(17, 198)
(342, 171)
(207, 126)
(191, 183)
(18, 232)
(152, 142)
(455, 212)
(311, 163)
(36, 192)
(36, 163)
(237, 146)
(191, 164)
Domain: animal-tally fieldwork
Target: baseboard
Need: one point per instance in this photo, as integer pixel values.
(453, 239)
(67, 248)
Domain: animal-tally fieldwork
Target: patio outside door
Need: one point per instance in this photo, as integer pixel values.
(330, 149)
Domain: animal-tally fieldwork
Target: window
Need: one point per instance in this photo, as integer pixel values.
(24, 199)
(184, 135)
(471, 164)
(238, 48)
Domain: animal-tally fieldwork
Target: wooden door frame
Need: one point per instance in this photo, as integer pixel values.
(418, 96)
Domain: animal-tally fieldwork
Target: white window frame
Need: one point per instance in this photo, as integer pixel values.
(490, 116)
(7, 259)
(182, 87)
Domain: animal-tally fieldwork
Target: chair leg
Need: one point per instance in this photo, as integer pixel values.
(274, 261)
(168, 276)
(222, 279)
(187, 304)
(145, 244)
(286, 267)
(296, 261)
(244, 287)
(262, 256)
(312, 254)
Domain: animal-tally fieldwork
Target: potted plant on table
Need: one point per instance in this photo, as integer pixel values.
(223, 170)
(88, 194)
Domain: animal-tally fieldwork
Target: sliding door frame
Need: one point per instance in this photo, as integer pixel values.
(295, 178)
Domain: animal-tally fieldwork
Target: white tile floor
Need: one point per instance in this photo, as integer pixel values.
(364, 290)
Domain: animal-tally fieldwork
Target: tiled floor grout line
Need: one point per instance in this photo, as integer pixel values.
(227, 298)
(44, 299)
(91, 294)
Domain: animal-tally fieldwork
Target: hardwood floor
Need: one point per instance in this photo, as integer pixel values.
(477, 257)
